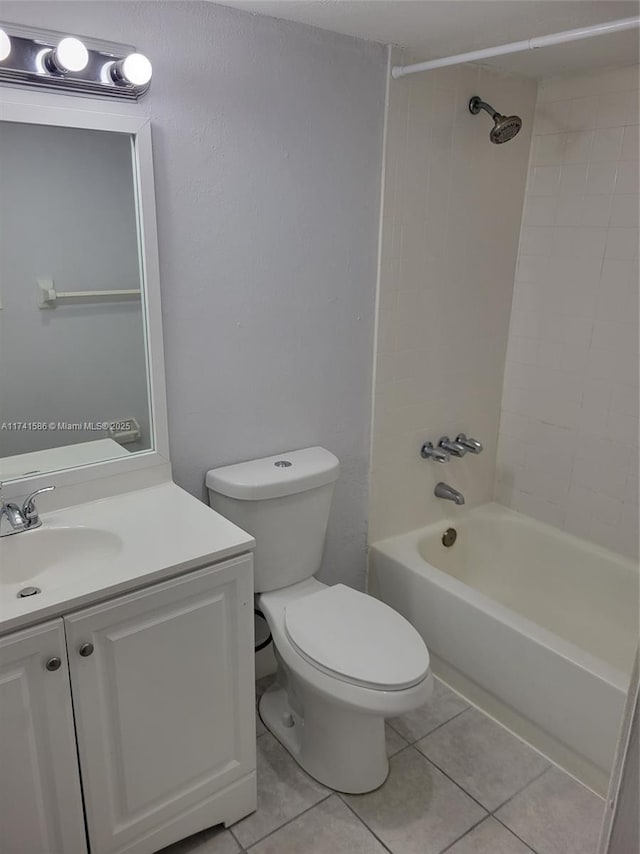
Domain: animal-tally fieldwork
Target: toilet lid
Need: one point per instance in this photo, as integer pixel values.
(357, 638)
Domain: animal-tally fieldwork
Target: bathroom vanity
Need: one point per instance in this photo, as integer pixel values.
(126, 684)
(127, 713)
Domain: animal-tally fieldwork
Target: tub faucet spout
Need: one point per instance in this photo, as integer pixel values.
(443, 490)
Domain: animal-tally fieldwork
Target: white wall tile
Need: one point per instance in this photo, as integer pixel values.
(622, 243)
(573, 178)
(568, 444)
(627, 177)
(624, 211)
(607, 143)
(544, 180)
(596, 210)
(577, 146)
(602, 177)
(630, 143)
(569, 209)
(615, 109)
(540, 210)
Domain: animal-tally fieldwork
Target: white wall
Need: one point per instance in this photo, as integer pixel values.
(452, 208)
(68, 212)
(568, 450)
(267, 148)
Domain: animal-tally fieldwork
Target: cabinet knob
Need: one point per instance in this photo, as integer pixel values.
(53, 663)
(86, 649)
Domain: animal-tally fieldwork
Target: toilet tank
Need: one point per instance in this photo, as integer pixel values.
(283, 502)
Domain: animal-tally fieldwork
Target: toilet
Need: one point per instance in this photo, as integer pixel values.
(346, 661)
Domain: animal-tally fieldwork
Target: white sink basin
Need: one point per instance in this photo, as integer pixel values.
(50, 555)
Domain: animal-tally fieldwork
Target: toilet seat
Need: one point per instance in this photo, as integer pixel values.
(356, 638)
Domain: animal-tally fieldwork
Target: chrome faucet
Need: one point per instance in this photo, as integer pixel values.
(428, 452)
(443, 490)
(456, 448)
(23, 518)
(473, 446)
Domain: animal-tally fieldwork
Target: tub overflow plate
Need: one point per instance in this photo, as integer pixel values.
(449, 537)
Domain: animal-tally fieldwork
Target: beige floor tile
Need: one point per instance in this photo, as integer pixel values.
(555, 815)
(329, 828)
(489, 837)
(441, 707)
(215, 840)
(418, 810)
(482, 757)
(284, 791)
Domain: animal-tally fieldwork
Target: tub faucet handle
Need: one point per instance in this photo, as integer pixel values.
(429, 452)
(455, 448)
(472, 445)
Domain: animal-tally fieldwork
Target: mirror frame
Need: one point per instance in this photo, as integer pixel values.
(49, 109)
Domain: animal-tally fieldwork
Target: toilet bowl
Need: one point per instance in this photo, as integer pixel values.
(329, 714)
(346, 661)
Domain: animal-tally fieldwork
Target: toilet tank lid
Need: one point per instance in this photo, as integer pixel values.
(273, 477)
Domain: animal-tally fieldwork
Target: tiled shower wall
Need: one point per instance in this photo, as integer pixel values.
(568, 445)
(451, 219)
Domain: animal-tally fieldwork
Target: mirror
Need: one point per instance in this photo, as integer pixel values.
(74, 365)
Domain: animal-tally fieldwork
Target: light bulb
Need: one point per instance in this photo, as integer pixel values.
(135, 69)
(69, 55)
(5, 45)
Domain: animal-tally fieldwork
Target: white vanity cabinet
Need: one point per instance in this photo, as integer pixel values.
(162, 687)
(40, 800)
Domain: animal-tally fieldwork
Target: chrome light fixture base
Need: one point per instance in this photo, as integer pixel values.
(31, 62)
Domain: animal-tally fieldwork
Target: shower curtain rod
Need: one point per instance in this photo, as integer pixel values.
(518, 47)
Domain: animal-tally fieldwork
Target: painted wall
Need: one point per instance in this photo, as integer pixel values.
(568, 449)
(267, 149)
(68, 213)
(451, 219)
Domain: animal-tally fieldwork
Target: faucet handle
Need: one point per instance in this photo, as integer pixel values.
(429, 452)
(471, 445)
(455, 448)
(29, 510)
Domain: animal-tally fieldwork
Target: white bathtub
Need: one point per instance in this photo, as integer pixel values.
(533, 625)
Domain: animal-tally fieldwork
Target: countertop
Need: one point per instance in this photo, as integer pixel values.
(160, 532)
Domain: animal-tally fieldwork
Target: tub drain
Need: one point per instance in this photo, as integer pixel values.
(28, 591)
(449, 537)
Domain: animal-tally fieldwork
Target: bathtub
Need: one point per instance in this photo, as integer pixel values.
(536, 627)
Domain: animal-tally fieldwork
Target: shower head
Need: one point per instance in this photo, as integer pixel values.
(504, 127)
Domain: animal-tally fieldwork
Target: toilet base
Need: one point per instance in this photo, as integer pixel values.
(341, 748)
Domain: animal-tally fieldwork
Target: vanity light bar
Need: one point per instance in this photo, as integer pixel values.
(65, 63)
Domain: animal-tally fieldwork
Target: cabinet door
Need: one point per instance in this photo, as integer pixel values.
(40, 800)
(163, 705)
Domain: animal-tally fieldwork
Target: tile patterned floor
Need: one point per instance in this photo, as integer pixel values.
(458, 783)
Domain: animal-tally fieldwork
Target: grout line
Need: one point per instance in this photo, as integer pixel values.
(552, 762)
(288, 821)
(506, 827)
(457, 714)
(466, 833)
(439, 726)
(522, 788)
(449, 777)
(362, 821)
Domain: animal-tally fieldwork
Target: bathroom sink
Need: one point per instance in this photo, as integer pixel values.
(108, 547)
(54, 556)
